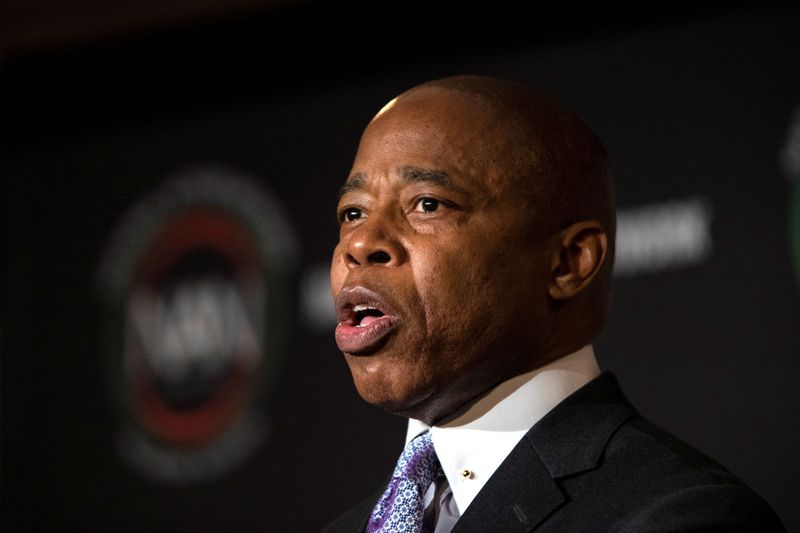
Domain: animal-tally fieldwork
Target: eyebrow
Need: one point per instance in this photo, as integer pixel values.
(409, 173)
(416, 174)
(353, 183)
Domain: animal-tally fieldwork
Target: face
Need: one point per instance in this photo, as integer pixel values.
(440, 274)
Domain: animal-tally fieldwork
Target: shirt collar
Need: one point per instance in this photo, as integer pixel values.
(472, 445)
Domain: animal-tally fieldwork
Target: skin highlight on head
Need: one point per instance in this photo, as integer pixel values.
(475, 243)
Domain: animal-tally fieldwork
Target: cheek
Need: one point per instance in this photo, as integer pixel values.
(453, 292)
(478, 296)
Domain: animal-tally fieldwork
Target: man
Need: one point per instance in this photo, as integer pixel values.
(472, 274)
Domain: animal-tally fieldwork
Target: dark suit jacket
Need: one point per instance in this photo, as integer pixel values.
(594, 464)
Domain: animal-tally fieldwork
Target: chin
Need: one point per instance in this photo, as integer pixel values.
(391, 391)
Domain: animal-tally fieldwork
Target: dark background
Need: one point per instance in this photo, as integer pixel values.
(101, 101)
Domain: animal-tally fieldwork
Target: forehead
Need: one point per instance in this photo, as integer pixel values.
(441, 130)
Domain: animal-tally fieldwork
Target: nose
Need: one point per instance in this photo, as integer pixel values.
(374, 242)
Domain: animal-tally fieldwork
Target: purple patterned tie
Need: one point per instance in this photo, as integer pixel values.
(401, 507)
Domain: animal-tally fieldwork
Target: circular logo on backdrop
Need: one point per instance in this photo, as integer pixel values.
(195, 282)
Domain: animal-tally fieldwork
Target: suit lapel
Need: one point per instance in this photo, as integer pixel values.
(517, 498)
(569, 440)
(573, 436)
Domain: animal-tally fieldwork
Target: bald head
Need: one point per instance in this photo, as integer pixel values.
(545, 148)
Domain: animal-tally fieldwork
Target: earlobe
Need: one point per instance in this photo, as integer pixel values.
(581, 253)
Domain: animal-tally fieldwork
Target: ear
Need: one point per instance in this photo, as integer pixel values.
(577, 260)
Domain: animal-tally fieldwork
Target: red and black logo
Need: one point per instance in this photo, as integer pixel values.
(196, 285)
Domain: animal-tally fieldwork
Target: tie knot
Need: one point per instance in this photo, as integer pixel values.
(418, 462)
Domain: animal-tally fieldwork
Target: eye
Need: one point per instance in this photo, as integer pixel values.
(427, 205)
(349, 214)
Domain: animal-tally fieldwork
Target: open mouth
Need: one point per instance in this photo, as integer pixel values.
(365, 321)
(364, 315)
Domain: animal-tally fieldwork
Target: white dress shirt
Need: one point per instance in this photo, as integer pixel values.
(472, 445)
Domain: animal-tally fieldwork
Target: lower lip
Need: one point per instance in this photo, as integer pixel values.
(361, 339)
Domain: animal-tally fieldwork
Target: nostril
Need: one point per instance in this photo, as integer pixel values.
(352, 260)
(379, 257)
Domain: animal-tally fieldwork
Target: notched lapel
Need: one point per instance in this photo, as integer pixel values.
(573, 436)
(516, 499)
(570, 439)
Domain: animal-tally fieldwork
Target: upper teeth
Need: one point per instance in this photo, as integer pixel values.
(362, 307)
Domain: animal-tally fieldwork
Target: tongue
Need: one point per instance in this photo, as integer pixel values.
(367, 320)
